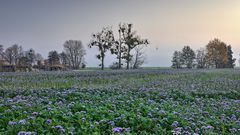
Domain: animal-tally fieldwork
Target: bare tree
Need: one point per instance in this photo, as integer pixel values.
(104, 41)
(138, 58)
(8, 55)
(75, 52)
(53, 58)
(118, 49)
(64, 59)
(201, 59)
(13, 54)
(131, 40)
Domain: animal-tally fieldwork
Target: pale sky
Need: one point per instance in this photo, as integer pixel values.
(45, 25)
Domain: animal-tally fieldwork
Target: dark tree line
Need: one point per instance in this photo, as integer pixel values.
(16, 58)
(216, 54)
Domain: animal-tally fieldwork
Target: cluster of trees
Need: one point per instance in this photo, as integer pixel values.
(72, 57)
(16, 56)
(121, 47)
(216, 54)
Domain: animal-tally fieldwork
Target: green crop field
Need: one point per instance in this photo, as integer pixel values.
(135, 102)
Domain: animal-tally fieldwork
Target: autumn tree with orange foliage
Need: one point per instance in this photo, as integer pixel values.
(217, 55)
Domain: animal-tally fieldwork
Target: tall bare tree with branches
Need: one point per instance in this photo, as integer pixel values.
(75, 52)
(138, 58)
(103, 41)
(12, 54)
(130, 40)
